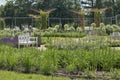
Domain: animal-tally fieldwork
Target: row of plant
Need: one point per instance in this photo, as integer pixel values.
(67, 31)
(114, 44)
(105, 29)
(86, 43)
(65, 34)
(50, 61)
(12, 33)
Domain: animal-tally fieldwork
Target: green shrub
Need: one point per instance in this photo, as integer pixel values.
(71, 28)
(114, 44)
(109, 29)
(79, 29)
(106, 29)
(66, 27)
(57, 27)
(116, 28)
(93, 25)
(64, 34)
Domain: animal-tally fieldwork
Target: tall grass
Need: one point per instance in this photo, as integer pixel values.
(49, 61)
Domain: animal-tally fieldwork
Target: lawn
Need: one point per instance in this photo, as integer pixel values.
(8, 75)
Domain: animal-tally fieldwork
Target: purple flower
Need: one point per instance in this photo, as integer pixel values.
(12, 40)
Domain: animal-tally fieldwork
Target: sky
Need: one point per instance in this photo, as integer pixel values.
(2, 2)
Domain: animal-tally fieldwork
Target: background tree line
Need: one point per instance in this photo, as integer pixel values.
(21, 8)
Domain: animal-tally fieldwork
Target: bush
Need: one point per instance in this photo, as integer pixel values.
(79, 29)
(114, 44)
(109, 29)
(106, 29)
(66, 27)
(57, 27)
(93, 25)
(116, 28)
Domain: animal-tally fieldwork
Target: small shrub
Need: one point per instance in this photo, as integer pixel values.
(57, 27)
(109, 29)
(79, 29)
(93, 25)
(66, 27)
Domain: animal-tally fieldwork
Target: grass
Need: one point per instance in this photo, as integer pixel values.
(49, 61)
(7, 75)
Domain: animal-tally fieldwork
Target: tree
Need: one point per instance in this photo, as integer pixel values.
(62, 7)
(22, 7)
(9, 9)
(1, 10)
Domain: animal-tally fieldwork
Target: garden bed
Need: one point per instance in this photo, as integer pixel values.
(30, 60)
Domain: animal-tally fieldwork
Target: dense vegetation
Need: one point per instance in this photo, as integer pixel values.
(72, 48)
(22, 8)
(70, 55)
(30, 60)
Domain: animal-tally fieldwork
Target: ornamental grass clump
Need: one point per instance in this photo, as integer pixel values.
(31, 60)
(8, 59)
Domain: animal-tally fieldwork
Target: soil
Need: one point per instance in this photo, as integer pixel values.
(84, 75)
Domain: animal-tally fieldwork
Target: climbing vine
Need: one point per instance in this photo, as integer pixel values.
(81, 18)
(44, 19)
(97, 17)
(81, 14)
(41, 20)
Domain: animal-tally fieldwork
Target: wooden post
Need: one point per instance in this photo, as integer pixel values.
(39, 40)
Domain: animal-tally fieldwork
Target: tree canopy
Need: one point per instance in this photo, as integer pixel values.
(22, 7)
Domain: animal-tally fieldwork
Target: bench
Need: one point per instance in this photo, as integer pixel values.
(26, 39)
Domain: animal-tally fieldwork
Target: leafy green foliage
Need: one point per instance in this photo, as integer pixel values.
(105, 29)
(49, 61)
(38, 23)
(64, 34)
(44, 19)
(68, 28)
(2, 23)
(97, 17)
